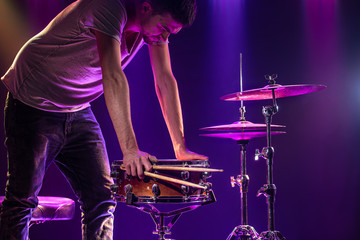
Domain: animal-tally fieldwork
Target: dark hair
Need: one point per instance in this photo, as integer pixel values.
(183, 11)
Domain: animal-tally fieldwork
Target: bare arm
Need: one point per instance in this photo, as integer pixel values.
(168, 95)
(116, 92)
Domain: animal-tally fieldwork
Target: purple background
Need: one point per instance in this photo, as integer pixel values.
(317, 167)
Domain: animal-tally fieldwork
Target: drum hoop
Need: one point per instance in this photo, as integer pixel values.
(174, 162)
(169, 199)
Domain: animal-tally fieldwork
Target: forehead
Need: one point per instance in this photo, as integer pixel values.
(169, 22)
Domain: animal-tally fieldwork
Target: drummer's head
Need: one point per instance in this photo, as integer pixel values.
(182, 11)
(157, 19)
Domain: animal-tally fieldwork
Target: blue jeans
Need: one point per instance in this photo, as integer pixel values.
(74, 142)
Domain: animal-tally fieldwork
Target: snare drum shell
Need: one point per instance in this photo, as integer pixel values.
(164, 191)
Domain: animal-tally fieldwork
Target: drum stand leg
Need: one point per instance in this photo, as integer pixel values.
(159, 217)
(269, 189)
(243, 231)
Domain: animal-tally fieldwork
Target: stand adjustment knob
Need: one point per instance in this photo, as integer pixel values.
(257, 154)
(267, 190)
(232, 181)
(235, 181)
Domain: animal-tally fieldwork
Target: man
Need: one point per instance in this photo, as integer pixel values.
(77, 57)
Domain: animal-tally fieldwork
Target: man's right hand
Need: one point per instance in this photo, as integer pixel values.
(135, 162)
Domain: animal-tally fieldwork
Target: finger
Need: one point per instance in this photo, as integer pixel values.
(128, 169)
(134, 166)
(139, 168)
(153, 159)
(192, 156)
(199, 156)
(202, 157)
(133, 171)
(147, 165)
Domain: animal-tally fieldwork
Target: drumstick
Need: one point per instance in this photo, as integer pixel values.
(169, 179)
(174, 180)
(189, 169)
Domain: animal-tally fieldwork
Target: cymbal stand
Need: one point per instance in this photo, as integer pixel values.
(243, 231)
(269, 189)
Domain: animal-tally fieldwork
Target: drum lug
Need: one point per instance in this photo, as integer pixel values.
(114, 188)
(186, 198)
(185, 189)
(155, 179)
(128, 188)
(207, 164)
(155, 190)
(114, 174)
(185, 175)
(205, 175)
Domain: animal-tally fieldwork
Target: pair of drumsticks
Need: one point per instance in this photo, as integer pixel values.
(174, 180)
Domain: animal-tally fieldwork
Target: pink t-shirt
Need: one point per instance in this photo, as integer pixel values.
(58, 70)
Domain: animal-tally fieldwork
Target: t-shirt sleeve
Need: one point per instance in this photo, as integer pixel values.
(106, 16)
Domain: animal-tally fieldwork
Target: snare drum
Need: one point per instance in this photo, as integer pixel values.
(153, 190)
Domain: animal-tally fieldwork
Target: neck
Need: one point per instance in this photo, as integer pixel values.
(132, 11)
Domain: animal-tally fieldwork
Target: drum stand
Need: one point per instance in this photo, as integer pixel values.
(159, 217)
(269, 189)
(243, 231)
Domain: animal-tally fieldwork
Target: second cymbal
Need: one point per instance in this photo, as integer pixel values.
(240, 135)
(240, 126)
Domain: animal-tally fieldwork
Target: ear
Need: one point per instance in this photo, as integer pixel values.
(146, 7)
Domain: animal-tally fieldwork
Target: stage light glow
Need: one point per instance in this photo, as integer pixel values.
(227, 27)
(42, 12)
(14, 31)
(322, 37)
(322, 2)
(229, 5)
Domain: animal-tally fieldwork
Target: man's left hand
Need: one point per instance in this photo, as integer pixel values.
(184, 155)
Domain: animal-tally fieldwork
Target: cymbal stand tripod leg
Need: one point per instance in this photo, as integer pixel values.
(243, 231)
(269, 189)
